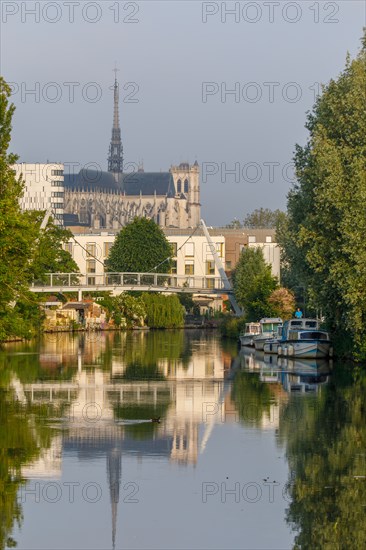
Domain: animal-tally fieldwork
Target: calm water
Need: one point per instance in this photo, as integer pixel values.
(248, 453)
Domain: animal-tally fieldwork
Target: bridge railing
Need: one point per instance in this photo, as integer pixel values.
(145, 280)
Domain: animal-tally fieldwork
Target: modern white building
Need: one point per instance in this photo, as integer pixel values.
(192, 255)
(44, 187)
(193, 261)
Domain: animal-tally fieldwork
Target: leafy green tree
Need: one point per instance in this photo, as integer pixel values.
(263, 218)
(17, 237)
(260, 218)
(324, 239)
(126, 311)
(234, 224)
(253, 283)
(49, 255)
(140, 247)
(26, 253)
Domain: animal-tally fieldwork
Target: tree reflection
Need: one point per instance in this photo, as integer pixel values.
(326, 450)
(23, 435)
(252, 397)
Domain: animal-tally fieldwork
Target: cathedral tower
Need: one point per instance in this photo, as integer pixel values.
(187, 184)
(115, 158)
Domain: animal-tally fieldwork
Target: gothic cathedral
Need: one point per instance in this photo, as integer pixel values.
(110, 200)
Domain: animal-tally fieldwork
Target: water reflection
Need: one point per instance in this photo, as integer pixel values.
(79, 400)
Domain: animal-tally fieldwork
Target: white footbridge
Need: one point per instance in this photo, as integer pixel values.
(121, 282)
(149, 282)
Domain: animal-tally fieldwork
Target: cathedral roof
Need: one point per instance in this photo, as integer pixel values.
(132, 184)
(148, 183)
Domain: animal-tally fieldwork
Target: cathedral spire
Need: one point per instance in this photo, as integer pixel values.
(115, 158)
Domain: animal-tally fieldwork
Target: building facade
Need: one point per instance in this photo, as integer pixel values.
(238, 239)
(191, 253)
(44, 187)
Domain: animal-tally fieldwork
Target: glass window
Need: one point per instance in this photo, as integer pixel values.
(210, 267)
(228, 264)
(179, 186)
(90, 266)
(174, 248)
(251, 239)
(220, 249)
(186, 186)
(268, 239)
(189, 249)
(210, 283)
(107, 248)
(90, 249)
(68, 248)
(173, 268)
(189, 268)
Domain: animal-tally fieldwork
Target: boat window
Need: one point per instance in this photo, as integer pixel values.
(296, 323)
(311, 324)
(293, 335)
(267, 327)
(313, 335)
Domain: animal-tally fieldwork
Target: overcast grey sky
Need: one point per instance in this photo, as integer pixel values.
(177, 61)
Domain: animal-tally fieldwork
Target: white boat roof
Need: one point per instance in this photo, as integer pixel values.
(271, 320)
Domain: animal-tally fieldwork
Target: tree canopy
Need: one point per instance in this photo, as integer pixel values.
(17, 237)
(253, 283)
(140, 246)
(26, 252)
(260, 218)
(323, 240)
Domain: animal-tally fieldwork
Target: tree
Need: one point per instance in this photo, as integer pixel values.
(282, 303)
(163, 311)
(263, 218)
(324, 240)
(49, 254)
(26, 254)
(126, 311)
(17, 237)
(140, 247)
(253, 283)
(234, 224)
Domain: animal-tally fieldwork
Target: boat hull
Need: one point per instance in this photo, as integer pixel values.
(310, 349)
(247, 340)
(271, 347)
(259, 343)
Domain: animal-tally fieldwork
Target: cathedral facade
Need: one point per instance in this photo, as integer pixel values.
(112, 199)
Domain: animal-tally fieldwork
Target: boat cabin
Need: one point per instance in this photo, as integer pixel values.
(304, 335)
(299, 324)
(252, 328)
(270, 324)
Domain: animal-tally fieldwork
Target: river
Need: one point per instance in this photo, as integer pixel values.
(249, 452)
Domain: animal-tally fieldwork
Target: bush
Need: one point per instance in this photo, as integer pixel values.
(163, 311)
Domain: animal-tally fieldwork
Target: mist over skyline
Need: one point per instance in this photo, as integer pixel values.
(228, 88)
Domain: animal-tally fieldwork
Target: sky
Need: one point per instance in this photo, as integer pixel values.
(225, 83)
